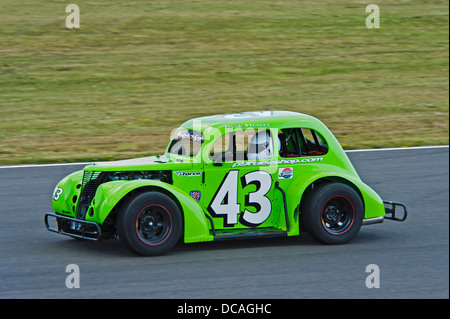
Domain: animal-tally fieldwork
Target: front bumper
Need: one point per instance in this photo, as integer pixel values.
(73, 227)
(391, 212)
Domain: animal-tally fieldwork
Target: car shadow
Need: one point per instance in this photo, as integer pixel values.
(115, 248)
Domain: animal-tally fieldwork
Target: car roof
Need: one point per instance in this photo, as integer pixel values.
(255, 119)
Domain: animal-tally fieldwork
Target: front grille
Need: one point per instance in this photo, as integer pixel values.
(91, 181)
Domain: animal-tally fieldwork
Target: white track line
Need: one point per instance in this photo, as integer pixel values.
(43, 165)
(397, 148)
(349, 151)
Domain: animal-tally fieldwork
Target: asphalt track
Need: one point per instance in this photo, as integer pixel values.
(413, 256)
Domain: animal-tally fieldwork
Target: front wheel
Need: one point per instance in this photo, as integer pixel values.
(149, 224)
(333, 213)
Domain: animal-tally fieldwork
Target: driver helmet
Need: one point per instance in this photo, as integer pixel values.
(260, 146)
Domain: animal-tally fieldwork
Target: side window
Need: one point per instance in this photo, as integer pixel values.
(296, 142)
(289, 142)
(313, 143)
(242, 145)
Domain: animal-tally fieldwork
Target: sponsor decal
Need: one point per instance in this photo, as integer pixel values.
(280, 162)
(191, 135)
(245, 125)
(285, 173)
(196, 195)
(188, 174)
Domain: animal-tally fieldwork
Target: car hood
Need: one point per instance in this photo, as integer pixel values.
(158, 162)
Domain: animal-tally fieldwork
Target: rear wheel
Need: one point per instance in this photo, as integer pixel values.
(149, 224)
(333, 213)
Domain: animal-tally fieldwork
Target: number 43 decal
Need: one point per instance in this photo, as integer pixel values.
(225, 202)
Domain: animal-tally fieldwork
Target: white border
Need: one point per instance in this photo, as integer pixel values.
(348, 151)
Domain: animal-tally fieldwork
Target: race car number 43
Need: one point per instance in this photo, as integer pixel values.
(225, 202)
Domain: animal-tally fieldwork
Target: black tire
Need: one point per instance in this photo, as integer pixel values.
(333, 213)
(149, 224)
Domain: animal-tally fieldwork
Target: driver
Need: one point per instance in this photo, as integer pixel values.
(260, 146)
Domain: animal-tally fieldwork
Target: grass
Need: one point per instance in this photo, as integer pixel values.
(116, 87)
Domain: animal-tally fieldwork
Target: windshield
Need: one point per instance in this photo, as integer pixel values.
(186, 142)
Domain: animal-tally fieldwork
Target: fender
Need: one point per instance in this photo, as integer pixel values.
(69, 189)
(109, 194)
(372, 202)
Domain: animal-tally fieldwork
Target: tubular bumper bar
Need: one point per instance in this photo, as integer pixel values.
(74, 227)
(392, 213)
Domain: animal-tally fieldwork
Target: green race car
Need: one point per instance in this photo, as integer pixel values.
(243, 175)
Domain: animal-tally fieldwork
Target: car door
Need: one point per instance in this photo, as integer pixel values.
(238, 193)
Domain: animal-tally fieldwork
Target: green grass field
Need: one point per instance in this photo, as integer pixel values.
(116, 87)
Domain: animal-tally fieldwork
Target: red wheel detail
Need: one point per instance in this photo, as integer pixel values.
(147, 231)
(335, 216)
